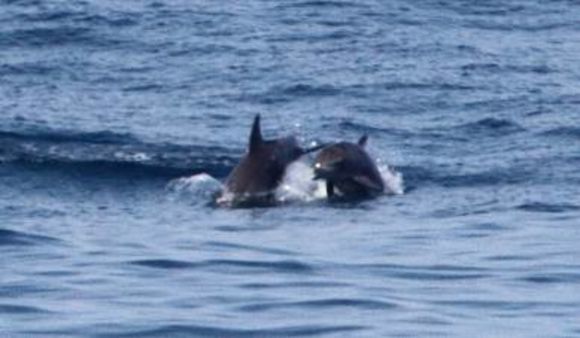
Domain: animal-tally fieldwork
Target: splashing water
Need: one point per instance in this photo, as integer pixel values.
(299, 184)
(201, 187)
(394, 184)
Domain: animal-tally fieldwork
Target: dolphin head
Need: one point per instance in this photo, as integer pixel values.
(337, 161)
(329, 163)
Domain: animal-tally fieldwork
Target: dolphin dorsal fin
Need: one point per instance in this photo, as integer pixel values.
(256, 135)
(363, 140)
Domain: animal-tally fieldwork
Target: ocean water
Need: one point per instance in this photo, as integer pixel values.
(120, 119)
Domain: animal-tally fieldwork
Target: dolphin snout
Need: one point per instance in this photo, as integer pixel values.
(322, 171)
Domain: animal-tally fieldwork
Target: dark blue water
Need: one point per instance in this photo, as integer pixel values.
(107, 109)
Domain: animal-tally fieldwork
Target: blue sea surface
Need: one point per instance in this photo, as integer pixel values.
(118, 120)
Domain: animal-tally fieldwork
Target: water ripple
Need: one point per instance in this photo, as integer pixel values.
(164, 264)
(491, 126)
(228, 246)
(428, 272)
(212, 331)
(281, 94)
(552, 278)
(112, 153)
(284, 285)
(11, 309)
(283, 266)
(416, 175)
(323, 4)
(493, 304)
(568, 132)
(548, 207)
(12, 237)
(321, 305)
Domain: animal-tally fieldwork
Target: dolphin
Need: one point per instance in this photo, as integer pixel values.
(348, 168)
(254, 179)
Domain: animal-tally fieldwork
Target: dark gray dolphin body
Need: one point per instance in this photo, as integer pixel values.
(348, 168)
(258, 174)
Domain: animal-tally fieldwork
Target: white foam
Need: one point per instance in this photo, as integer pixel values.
(201, 186)
(299, 184)
(394, 184)
(136, 157)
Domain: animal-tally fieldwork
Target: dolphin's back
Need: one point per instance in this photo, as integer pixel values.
(260, 171)
(254, 175)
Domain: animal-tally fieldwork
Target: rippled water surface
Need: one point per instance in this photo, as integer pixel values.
(118, 119)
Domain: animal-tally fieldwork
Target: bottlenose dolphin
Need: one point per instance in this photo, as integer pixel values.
(258, 174)
(348, 168)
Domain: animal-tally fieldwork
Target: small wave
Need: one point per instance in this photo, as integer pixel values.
(164, 264)
(144, 88)
(47, 37)
(65, 136)
(429, 272)
(212, 245)
(366, 128)
(552, 278)
(487, 67)
(491, 126)
(487, 9)
(11, 309)
(201, 187)
(11, 237)
(47, 16)
(547, 207)
(283, 266)
(496, 177)
(564, 132)
(214, 331)
(106, 168)
(492, 10)
(495, 68)
(281, 94)
(108, 153)
(427, 86)
(321, 305)
(491, 304)
(112, 19)
(27, 68)
(323, 4)
(509, 258)
(13, 290)
(416, 176)
(511, 26)
(64, 16)
(289, 285)
(480, 230)
(308, 90)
